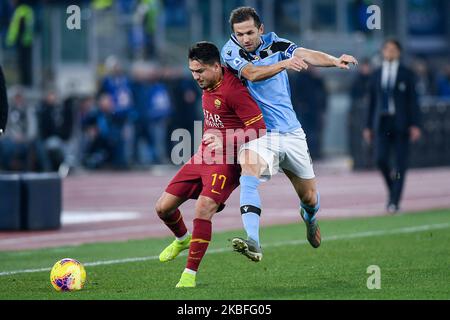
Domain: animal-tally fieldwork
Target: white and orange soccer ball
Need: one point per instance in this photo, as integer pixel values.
(68, 275)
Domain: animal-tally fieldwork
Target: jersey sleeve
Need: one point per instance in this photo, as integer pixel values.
(234, 57)
(286, 47)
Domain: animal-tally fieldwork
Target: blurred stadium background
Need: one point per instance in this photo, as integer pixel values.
(62, 79)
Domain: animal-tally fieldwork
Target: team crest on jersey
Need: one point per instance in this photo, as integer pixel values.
(217, 103)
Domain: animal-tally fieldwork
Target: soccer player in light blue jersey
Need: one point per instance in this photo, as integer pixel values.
(261, 61)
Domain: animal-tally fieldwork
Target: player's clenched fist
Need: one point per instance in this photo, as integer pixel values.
(345, 60)
(213, 142)
(295, 63)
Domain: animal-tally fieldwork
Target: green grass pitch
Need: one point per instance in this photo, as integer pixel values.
(411, 250)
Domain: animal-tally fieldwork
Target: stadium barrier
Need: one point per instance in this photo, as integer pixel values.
(10, 216)
(432, 150)
(30, 201)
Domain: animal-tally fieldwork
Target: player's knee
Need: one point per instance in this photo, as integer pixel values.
(205, 208)
(162, 209)
(251, 163)
(309, 197)
(251, 169)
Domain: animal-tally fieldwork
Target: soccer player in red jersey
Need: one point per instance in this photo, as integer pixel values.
(231, 117)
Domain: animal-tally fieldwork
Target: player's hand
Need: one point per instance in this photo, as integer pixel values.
(295, 63)
(344, 62)
(414, 133)
(367, 135)
(213, 142)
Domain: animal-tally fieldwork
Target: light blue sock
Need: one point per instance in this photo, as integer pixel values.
(310, 212)
(250, 206)
(251, 225)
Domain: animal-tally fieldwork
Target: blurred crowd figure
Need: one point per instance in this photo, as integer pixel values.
(20, 35)
(36, 137)
(129, 123)
(309, 98)
(20, 141)
(443, 85)
(125, 124)
(4, 104)
(55, 129)
(152, 114)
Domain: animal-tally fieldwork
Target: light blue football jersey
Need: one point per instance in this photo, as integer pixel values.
(274, 94)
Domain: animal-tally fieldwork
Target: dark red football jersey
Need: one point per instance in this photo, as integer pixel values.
(228, 107)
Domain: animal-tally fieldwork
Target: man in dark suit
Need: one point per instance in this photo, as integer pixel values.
(393, 119)
(3, 103)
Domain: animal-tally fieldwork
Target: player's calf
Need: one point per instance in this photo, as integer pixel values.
(308, 214)
(167, 210)
(205, 208)
(310, 202)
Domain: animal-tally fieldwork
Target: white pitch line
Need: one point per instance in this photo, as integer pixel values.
(365, 234)
(76, 217)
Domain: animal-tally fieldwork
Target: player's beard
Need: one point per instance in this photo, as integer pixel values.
(208, 84)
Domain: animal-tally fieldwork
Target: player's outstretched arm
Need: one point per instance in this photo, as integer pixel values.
(321, 59)
(259, 73)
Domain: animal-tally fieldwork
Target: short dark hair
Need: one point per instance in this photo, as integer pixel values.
(242, 14)
(395, 42)
(205, 52)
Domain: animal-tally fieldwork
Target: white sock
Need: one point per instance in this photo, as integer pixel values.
(183, 237)
(190, 271)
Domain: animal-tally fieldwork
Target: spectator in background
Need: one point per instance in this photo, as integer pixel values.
(20, 35)
(55, 123)
(361, 84)
(159, 112)
(444, 83)
(359, 100)
(102, 135)
(6, 12)
(393, 119)
(187, 98)
(140, 89)
(19, 148)
(118, 86)
(424, 78)
(3, 103)
(86, 107)
(145, 22)
(309, 98)
(102, 4)
(154, 109)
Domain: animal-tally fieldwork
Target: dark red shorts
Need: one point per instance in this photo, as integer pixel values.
(216, 181)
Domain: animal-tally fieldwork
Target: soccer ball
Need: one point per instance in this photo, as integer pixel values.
(68, 275)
